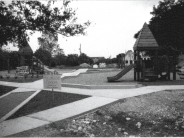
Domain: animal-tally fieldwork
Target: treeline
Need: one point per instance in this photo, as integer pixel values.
(69, 60)
(12, 59)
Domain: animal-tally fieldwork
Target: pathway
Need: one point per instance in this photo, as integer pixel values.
(100, 97)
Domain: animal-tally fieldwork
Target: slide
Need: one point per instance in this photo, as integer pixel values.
(122, 73)
(48, 70)
(40, 66)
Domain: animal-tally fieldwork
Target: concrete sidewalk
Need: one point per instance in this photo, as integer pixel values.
(100, 97)
(103, 97)
(35, 120)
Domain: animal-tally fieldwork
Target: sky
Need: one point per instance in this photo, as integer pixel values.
(113, 25)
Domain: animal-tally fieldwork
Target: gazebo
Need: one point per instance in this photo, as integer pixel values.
(26, 54)
(145, 42)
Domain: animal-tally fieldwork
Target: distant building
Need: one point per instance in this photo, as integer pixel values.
(129, 58)
(97, 59)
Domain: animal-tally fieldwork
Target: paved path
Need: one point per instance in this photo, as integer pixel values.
(100, 97)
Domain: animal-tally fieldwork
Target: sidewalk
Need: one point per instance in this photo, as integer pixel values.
(35, 120)
(100, 97)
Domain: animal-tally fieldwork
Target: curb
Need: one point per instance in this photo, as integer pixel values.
(101, 86)
(19, 106)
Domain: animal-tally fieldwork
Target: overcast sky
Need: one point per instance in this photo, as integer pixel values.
(114, 23)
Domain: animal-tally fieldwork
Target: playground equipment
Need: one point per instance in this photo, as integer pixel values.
(180, 69)
(155, 67)
(121, 74)
(23, 70)
(152, 68)
(39, 68)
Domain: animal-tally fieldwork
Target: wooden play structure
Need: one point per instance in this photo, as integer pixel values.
(148, 65)
(154, 67)
(37, 66)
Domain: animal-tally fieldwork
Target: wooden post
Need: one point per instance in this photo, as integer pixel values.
(156, 58)
(169, 67)
(8, 62)
(135, 62)
(52, 94)
(138, 73)
(37, 66)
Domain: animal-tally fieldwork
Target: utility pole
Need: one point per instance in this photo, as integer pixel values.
(80, 49)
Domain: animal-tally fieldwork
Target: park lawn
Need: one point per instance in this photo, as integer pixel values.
(96, 77)
(6, 89)
(99, 78)
(45, 100)
(151, 115)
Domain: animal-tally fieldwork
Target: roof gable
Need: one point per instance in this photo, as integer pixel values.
(145, 40)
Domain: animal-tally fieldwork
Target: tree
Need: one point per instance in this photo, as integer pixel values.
(137, 34)
(72, 60)
(3, 59)
(167, 26)
(19, 17)
(83, 58)
(48, 41)
(44, 56)
(60, 59)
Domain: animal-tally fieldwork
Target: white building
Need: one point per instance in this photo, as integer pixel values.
(129, 58)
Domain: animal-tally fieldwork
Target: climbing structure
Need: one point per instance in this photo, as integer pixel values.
(145, 42)
(152, 67)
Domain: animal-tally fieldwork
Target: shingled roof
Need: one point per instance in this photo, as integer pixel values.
(145, 40)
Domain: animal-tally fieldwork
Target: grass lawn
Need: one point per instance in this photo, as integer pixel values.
(96, 77)
(151, 115)
(46, 100)
(99, 78)
(5, 89)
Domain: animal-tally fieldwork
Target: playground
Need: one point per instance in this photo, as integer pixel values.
(144, 98)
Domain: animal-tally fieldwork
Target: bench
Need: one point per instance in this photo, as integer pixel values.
(23, 70)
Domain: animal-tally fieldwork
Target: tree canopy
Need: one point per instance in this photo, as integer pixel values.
(19, 17)
(167, 26)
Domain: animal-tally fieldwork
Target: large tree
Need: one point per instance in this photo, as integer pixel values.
(44, 56)
(19, 17)
(83, 58)
(48, 41)
(167, 26)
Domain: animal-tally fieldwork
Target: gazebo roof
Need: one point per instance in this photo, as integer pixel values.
(26, 50)
(145, 40)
